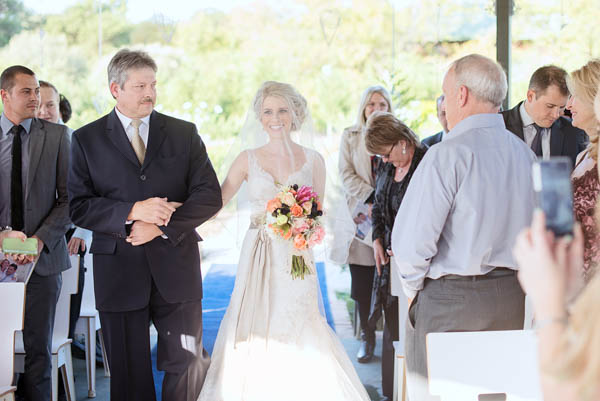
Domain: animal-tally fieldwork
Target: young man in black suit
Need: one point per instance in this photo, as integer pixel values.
(142, 182)
(537, 120)
(441, 115)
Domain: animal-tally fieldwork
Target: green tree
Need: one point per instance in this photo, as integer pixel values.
(13, 18)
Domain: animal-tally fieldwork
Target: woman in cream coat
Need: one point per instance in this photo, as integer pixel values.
(356, 167)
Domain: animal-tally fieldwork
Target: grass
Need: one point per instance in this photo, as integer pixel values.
(345, 296)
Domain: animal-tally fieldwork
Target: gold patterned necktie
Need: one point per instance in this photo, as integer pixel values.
(136, 141)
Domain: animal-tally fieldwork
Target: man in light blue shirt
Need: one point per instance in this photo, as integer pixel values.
(456, 227)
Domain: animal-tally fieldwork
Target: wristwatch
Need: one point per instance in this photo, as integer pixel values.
(6, 228)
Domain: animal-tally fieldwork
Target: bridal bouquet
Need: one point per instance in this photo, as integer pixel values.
(294, 215)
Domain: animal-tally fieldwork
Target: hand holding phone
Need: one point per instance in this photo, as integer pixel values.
(552, 184)
(18, 246)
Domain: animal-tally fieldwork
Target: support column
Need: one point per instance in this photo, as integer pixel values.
(504, 11)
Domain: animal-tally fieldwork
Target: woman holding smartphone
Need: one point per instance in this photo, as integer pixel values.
(568, 340)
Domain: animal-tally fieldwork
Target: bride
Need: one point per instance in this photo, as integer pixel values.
(273, 343)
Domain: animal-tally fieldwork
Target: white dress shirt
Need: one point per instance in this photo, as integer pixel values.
(529, 132)
(467, 201)
(130, 130)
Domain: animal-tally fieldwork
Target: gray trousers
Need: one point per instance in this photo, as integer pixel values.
(475, 303)
(40, 308)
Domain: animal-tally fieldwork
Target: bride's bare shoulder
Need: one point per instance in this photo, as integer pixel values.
(313, 154)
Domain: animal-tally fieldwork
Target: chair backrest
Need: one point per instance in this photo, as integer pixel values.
(12, 299)
(464, 365)
(88, 299)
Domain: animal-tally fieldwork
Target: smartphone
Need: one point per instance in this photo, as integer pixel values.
(552, 184)
(18, 246)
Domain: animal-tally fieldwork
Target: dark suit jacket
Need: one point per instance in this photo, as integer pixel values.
(433, 139)
(46, 200)
(106, 179)
(565, 140)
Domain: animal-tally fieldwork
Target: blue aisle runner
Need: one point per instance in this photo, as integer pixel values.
(217, 288)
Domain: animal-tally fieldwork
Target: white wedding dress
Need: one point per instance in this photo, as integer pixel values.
(273, 343)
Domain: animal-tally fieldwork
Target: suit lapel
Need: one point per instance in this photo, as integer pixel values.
(117, 135)
(37, 136)
(156, 136)
(557, 137)
(518, 121)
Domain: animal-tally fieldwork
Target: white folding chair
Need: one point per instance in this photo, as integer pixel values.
(399, 361)
(87, 324)
(12, 297)
(493, 364)
(61, 344)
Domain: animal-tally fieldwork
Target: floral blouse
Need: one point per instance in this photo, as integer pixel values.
(586, 186)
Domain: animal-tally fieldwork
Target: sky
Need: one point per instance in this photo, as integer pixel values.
(140, 10)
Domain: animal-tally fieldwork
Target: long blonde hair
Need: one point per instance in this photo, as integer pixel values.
(361, 120)
(580, 356)
(584, 83)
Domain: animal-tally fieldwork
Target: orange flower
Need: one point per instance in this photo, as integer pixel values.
(287, 235)
(273, 205)
(296, 210)
(299, 242)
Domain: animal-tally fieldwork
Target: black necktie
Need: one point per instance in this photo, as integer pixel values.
(536, 144)
(16, 182)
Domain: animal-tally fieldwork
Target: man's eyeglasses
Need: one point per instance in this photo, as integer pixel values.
(387, 155)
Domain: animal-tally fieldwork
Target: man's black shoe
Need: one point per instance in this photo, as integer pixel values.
(365, 352)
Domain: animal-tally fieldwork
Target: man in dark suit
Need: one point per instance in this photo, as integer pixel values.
(537, 120)
(142, 182)
(441, 115)
(34, 157)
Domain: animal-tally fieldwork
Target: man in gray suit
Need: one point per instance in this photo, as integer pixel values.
(34, 159)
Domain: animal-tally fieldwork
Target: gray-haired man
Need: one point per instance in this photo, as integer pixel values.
(455, 229)
(129, 172)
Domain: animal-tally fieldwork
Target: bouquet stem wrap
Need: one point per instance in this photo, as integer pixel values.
(302, 264)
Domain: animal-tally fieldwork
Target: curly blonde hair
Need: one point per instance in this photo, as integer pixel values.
(583, 83)
(294, 99)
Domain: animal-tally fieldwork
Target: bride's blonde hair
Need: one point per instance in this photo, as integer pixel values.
(294, 99)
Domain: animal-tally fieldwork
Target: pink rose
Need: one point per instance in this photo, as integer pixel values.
(316, 236)
(307, 206)
(300, 226)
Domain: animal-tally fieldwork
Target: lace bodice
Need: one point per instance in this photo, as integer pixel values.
(262, 186)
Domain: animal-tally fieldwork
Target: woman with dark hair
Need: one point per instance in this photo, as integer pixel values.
(65, 108)
(400, 153)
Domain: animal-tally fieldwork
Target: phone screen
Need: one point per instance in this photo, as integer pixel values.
(552, 183)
